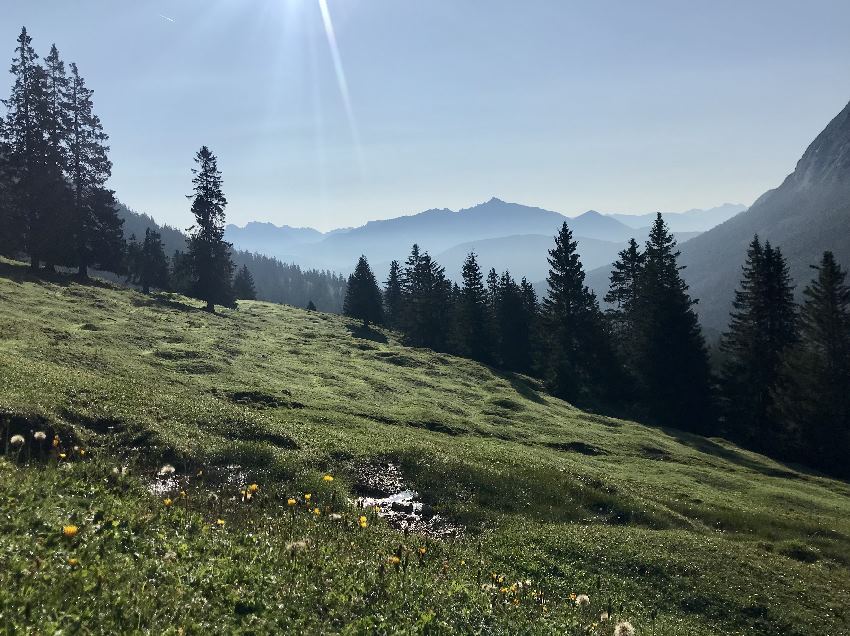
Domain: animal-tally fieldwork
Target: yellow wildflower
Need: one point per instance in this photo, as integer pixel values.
(394, 560)
(317, 512)
(70, 531)
(167, 502)
(422, 551)
(307, 496)
(73, 562)
(219, 522)
(328, 478)
(291, 501)
(62, 455)
(82, 452)
(363, 522)
(253, 488)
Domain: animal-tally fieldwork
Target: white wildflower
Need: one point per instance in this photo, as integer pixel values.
(17, 440)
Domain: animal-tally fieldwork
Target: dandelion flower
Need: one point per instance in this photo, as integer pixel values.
(603, 616)
(624, 628)
(394, 560)
(70, 531)
(317, 512)
(335, 516)
(62, 455)
(39, 436)
(17, 440)
(582, 600)
(291, 501)
(125, 471)
(422, 551)
(167, 502)
(116, 471)
(55, 441)
(363, 522)
(73, 562)
(219, 523)
(183, 493)
(307, 496)
(168, 469)
(296, 546)
(572, 596)
(82, 452)
(328, 478)
(253, 488)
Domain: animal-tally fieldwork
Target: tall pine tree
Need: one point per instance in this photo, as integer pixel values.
(761, 329)
(96, 225)
(393, 296)
(579, 363)
(29, 176)
(363, 297)
(472, 319)
(671, 360)
(814, 399)
(209, 254)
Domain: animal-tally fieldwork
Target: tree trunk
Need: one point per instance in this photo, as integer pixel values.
(146, 289)
(83, 272)
(34, 261)
(210, 307)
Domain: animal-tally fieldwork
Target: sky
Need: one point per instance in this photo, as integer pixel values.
(330, 113)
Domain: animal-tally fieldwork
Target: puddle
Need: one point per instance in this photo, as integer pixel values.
(170, 482)
(382, 488)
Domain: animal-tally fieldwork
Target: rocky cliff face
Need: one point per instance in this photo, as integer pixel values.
(807, 214)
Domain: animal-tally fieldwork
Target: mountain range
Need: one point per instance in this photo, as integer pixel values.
(504, 235)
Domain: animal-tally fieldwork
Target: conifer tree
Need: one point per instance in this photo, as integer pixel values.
(578, 362)
(814, 398)
(243, 285)
(671, 360)
(211, 265)
(147, 263)
(363, 297)
(426, 296)
(27, 161)
(393, 296)
(514, 315)
(761, 329)
(311, 306)
(96, 225)
(472, 316)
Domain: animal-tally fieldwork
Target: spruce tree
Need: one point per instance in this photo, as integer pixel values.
(514, 316)
(243, 285)
(311, 306)
(363, 297)
(393, 296)
(212, 267)
(578, 362)
(671, 361)
(472, 316)
(96, 225)
(814, 399)
(147, 264)
(761, 329)
(426, 296)
(27, 160)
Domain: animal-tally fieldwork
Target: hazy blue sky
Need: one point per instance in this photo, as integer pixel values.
(626, 106)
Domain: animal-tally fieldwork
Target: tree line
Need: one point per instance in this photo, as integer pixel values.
(782, 385)
(56, 209)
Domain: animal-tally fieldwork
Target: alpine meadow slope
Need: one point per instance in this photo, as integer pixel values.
(535, 500)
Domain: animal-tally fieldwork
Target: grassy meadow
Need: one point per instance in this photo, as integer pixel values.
(536, 502)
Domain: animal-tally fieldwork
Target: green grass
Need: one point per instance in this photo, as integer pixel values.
(680, 534)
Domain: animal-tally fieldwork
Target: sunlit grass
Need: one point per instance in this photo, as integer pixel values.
(675, 533)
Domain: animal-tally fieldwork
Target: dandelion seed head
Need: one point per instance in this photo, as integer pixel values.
(624, 628)
(335, 516)
(168, 469)
(582, 600)
(39, 436)
(17, 440)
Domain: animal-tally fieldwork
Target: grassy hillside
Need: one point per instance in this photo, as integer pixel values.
(538, 500)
